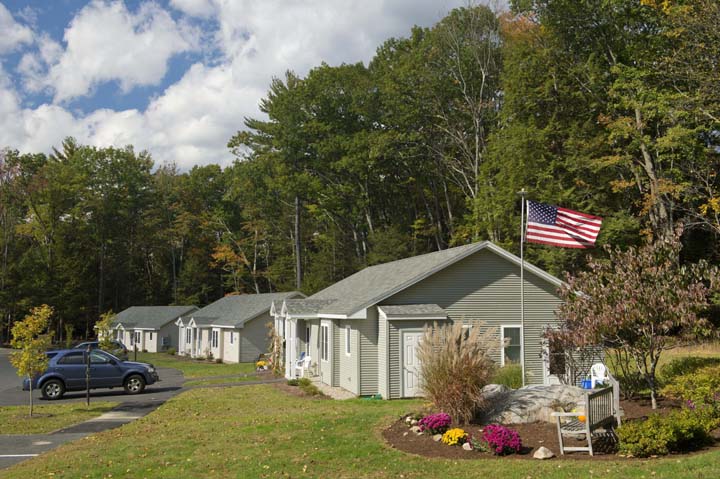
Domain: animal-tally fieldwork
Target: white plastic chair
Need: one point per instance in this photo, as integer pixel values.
(302, 365)
(598, 374)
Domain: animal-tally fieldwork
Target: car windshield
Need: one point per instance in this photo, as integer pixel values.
(113, 356)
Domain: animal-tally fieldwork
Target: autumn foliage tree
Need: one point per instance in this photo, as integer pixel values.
(31, 337)
(641, 300)
(103, 329)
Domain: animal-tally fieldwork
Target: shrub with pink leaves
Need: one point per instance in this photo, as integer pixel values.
(435, 423)
(502, 440)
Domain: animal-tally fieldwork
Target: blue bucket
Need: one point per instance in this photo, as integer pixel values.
(586, 384)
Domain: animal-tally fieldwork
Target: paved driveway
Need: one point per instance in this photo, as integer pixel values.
(11, 393)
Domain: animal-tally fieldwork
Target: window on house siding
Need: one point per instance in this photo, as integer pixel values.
(188, 335)
(347, 340)
(307, 340)
(215, 339)
(324, 342)
(511, 345)
(151, 336)
(232, 337)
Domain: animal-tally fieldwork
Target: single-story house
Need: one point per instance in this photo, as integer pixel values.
(361, 332)
(150, 328)
(233, 329)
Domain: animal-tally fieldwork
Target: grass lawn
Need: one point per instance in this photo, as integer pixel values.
(192, 368)
(48, 418)
(208, 382)
(259, 431)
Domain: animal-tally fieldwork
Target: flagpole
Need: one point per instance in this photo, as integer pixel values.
(522, 194)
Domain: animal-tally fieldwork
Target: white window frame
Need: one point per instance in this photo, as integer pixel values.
(502, 341)
(348, 337)
(188, 336)
(151, 333)
(136, 336)
(214, 338)
(232, 337)
(307, 339)
(325, 342)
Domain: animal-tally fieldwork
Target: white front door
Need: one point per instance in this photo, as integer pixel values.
(410, 364)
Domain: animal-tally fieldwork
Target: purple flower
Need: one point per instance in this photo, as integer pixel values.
(501, 439)
(435, 423)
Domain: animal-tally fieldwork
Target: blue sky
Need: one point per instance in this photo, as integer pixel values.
(174, 77)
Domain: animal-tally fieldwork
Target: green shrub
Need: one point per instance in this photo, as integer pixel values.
(685, 365)
(658, 435)
(292, 382)
(308, 387)
(699, 387)
(509, 375)
(171, 351)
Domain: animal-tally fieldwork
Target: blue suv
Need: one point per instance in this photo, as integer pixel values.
(66, 372)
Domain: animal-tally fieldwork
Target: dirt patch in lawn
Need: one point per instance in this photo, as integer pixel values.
(296, 391)
(533, 435)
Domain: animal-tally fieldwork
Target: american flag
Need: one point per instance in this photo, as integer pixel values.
(557, 226)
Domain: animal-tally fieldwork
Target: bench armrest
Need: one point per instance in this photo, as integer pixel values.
(568, 414)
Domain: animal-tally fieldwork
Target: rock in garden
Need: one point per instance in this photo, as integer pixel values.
(468, 447)
(408, 419)
(527, 404)
(543, 453)
(437, 437)
(416, 429)
(413, 422)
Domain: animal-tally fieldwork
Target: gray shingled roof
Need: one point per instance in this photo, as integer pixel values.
(409, 310)
(237, 309)
(300, 307)
(154, 317)
(375, 283)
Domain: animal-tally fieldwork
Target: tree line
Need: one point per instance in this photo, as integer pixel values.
(609, 107)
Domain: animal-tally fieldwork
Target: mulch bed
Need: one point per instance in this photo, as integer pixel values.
(533, 435)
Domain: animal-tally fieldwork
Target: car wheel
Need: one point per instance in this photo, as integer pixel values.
(53, 389)
(134, 384)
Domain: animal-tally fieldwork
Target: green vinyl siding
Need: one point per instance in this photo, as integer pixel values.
(368, 352)
(483, 288)
(335, 358)
(383, 352)
(253, 337)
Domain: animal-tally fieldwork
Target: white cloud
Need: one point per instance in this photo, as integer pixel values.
(13, 34)
(107, 42)
(191, 121)
(194, 8)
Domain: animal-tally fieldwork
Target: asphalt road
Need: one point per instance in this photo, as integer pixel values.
(11, 393)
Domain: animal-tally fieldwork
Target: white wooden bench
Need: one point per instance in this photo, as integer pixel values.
(601, 412)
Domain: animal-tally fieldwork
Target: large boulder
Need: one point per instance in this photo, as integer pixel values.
(527, 404)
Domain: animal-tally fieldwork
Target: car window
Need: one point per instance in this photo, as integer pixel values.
(96, 357)
(50, 355)
(73, 358)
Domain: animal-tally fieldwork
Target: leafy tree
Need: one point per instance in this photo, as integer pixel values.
(32, 338)
(641, 300)
(103, 329)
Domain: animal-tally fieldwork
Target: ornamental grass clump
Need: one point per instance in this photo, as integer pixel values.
(502, 440)
(455, 366)
(454, 437)
(435, 423)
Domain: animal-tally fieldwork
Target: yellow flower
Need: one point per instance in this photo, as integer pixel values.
(454, 437)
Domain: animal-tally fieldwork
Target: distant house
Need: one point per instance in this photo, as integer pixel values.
(151, 328)
(233, 328)
(361, 333)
